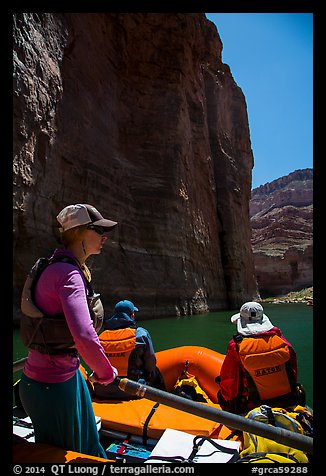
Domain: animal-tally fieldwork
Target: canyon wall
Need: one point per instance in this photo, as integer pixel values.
(136, 114)
(282, 233)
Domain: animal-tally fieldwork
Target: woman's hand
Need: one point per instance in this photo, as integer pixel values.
(93, 377)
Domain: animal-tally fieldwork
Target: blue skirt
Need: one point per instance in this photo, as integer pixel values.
(62, 414)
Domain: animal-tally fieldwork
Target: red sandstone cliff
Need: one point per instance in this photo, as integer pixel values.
(136, 114)
(282, 233)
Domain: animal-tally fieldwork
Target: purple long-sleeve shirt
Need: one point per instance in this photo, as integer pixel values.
(61, 288)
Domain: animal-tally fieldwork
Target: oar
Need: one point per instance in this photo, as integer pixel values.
(19, 364)
(237, 422)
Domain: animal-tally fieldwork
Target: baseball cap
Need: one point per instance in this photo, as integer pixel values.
(82, 214)
(125, 306)
(251, 319)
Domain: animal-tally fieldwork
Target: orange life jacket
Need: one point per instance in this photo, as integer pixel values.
(264, 358)
(118, 345)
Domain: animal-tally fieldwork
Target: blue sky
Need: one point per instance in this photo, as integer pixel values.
(271, 59)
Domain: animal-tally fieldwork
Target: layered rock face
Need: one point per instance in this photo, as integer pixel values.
(136, 114)
(282, 233)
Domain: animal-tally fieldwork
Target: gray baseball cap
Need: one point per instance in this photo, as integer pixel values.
(82, 214)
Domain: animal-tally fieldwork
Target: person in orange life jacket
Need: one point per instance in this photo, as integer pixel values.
(260, 366)
(130, 349)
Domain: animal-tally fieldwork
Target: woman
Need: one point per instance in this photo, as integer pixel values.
(52, 389)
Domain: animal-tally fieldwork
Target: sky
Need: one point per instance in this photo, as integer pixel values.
(271, 59)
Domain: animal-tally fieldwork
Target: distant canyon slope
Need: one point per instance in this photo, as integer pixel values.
(136, 114)
(282, 233)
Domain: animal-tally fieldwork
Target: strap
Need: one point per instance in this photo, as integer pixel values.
(20, 422)
(34, 333)
(252, 457)
(238, 338)
(23, 424)
(74, 262)
(170, 459)
(302, 419)
(270, 415)
(149, 416)
(198, 442)
(233, 433)
(63, 259)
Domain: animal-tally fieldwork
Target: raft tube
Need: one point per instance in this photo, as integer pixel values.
(205, 364)
(144, 418)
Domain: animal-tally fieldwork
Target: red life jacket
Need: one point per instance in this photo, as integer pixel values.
(118, 345)
(266, 361)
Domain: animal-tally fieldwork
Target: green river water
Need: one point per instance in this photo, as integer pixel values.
(214, 330)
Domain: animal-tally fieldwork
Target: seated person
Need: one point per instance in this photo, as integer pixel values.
(130, 350)
(260, 366)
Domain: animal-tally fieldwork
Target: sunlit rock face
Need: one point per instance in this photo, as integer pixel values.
(282, 233)
(136, 114)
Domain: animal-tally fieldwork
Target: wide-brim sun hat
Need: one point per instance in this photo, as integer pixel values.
(83, 214)
(251, 319)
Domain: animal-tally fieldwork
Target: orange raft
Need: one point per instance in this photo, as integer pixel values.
(145, 418)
